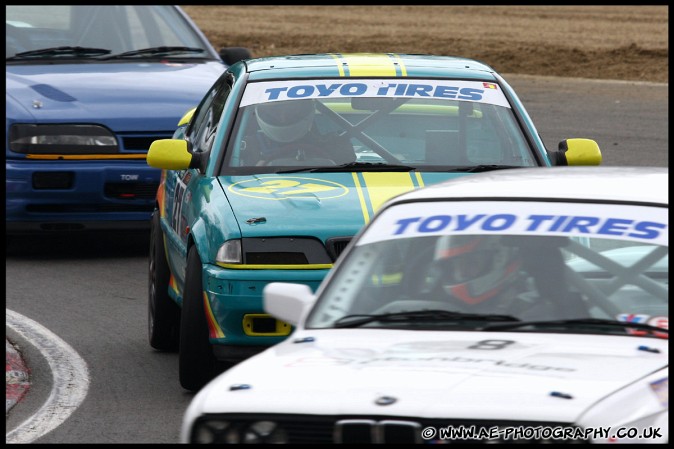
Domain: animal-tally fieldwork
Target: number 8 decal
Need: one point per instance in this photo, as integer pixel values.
(491, 344)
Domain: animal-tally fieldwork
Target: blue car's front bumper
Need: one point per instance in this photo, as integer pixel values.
(79, 195)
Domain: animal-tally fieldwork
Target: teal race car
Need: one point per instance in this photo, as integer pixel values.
(286, 158)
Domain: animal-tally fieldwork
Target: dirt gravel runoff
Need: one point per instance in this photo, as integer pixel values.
(600, 42)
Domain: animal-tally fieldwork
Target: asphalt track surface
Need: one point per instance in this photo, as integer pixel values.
(629, 120)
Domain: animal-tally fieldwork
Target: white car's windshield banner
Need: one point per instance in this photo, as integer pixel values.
(480, 92)
(621, 222)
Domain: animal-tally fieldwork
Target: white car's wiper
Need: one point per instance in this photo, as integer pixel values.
(351, 167)
(574, 323)
(156, 51)
(480, 168)
(418, 315)
(61, 51)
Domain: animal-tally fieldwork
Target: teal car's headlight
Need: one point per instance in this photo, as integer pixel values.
(70, 139)
(303, 253)
(214, 431)
(229, 252)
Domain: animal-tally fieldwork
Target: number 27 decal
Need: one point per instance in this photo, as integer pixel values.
(288, 187)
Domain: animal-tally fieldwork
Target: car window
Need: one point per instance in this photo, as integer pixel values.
(596, 262)
(207, 116)
(439, 126)
(118, 28)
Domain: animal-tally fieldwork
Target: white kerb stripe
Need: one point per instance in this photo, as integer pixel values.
(70, 374)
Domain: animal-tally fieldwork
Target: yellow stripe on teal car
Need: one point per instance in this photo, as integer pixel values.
(312, 266)
(380, 187)
(363, 64)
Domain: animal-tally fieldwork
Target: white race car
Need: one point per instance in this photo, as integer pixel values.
(526, 305)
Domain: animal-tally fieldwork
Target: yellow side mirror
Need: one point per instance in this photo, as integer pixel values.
(578, 152)
(169, 154)
(187, 117)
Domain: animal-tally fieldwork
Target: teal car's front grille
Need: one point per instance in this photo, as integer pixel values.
(336, 246)
(292, 250)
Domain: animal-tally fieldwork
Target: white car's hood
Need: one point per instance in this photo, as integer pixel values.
(521, 376)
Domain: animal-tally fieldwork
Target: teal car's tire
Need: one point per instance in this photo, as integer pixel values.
(196, 363)
(163, 312)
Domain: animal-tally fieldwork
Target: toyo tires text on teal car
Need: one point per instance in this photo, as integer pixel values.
(286, 158)
(88, 88)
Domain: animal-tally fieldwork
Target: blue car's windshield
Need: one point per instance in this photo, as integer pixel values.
(86, 32)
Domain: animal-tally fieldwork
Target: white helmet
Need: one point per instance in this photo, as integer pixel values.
(475, 268)
(285, 121)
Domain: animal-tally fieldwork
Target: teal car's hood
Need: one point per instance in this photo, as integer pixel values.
(315, 204)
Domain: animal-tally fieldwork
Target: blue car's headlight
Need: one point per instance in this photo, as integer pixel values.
(67, 139)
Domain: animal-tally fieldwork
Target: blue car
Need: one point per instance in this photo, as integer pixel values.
(88, 88)
(286, 158)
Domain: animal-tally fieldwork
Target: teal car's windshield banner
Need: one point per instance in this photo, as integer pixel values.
(620, 222)
(475, 91)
